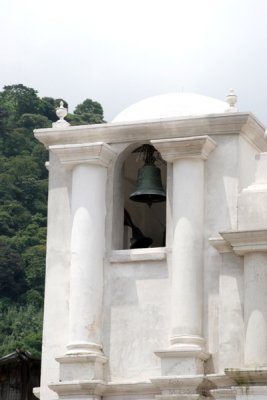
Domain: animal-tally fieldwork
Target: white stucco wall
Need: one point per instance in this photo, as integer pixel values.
(136, 311)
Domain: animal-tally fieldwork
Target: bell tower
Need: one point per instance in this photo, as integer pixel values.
(154, 251)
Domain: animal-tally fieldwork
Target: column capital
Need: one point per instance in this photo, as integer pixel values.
(98, 153)
(186, 147)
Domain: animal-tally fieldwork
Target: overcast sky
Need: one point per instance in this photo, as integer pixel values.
(118, 52)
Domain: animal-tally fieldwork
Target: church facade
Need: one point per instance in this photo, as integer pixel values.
(159, 296)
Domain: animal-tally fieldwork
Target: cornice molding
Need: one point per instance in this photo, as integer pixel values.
(191, 147)
(88, 153)
(217, 124)
(243, 242)
(246, 376)
(220, 245)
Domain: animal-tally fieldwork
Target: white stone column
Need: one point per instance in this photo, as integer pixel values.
(187, 285)
(250, 241)
(255, 309)
(87, 252)
(187, 156)
(88, 203)
(253, 246)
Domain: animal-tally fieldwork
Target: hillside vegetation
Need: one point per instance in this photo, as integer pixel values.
(23, 208)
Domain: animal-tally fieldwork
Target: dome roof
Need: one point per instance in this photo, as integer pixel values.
(171, 105)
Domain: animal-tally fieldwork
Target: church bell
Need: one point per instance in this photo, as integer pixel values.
(149, 187)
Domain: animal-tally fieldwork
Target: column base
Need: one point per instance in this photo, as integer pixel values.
(84, 390)
(81, 367)
(180, 387)
(185, 357)
(84, 348)
(182, 362)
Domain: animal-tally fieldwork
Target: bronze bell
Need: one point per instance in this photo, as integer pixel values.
(149, 187)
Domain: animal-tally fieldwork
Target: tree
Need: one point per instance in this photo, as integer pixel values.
(88, 112)
(89, 106)
(23, 208)
(12, 277)
(19, 99)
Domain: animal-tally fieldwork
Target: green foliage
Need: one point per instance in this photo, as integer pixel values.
(20, 327)
(88, 112)
(23, 203)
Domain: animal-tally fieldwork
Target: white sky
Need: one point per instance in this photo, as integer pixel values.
(118, 52)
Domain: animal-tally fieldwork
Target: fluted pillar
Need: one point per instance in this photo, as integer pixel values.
(188, 156)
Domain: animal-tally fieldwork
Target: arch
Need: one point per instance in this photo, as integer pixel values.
(150, 220)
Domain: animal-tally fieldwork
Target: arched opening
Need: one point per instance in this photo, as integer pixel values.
(144, 215)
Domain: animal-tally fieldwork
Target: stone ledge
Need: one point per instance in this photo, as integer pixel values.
(128, 388)
(243, 242)
(220, 245)
(247, 376)
(216, 124)
(78, 388)
(135, 255)
(183, 352)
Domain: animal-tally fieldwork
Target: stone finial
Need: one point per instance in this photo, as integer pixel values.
(61, 112)
(231, 99)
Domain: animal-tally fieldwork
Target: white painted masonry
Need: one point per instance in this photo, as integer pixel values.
(185, 321)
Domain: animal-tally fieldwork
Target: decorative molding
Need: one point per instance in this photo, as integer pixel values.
(87, 348)
(252, 132)
(247, 376)
(135, 255)
(220, 380)
(192, 341)
(100, 387)
(131, 388)
(179, 396)
(230, 124)
(220, 245)
(243, 242)
(183, 352)
(223, 394)
(180, 387)
(81, 358)
(191, 147)
(248, 391)
(66, 388)
(88, 153)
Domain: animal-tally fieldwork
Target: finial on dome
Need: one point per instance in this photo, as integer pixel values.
(231, 99)
(61, 112)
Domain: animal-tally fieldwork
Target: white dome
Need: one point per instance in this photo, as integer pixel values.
(171, 105)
